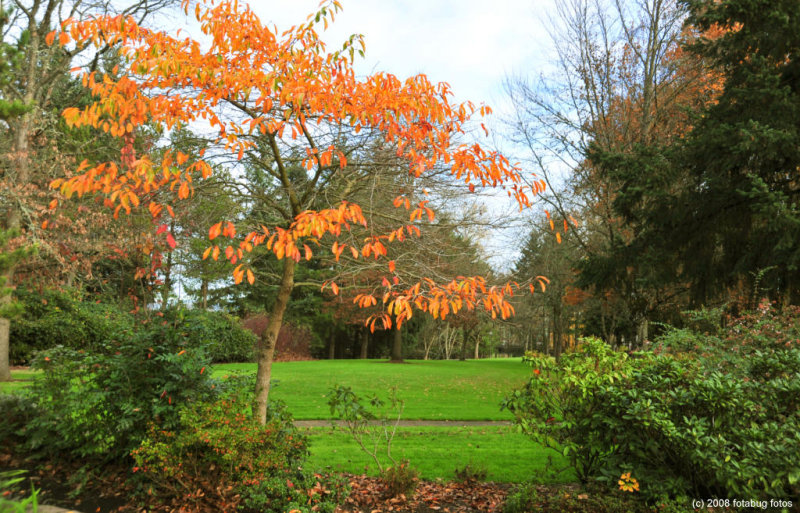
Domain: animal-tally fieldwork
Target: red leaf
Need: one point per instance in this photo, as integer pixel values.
(171, 241)
(161, 229)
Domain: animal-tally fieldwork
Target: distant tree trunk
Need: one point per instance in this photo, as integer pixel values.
(332, 346)
(204, 294)
(165, 288)
(5, 369)
(266, 345)
(557, 342)
(642, 332)
(464, 339)
(477, 347)
(364, 342)
(397, 345)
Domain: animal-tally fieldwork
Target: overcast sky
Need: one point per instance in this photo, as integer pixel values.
(470, 44)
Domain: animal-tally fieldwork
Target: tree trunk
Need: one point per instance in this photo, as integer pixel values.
(397, 346)
(167, 286)
(642, 332)
(364, 342)
(477, 347)
(557, 342)
(464, 339)
(204, 294)
(266, 346)
(5, 370)
(332, 346)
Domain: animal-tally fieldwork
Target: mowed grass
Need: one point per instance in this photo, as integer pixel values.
(20, 379)
(436, 452)
(431, 390)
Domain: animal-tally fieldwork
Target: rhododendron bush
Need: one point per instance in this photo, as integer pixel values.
(696, 414)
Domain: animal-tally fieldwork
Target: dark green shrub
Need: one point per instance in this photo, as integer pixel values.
(64, 318)
(17, 411)
(220, 335)
(717, 417)
(99, 406)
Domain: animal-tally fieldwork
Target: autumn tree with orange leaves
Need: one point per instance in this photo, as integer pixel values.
(283, 100)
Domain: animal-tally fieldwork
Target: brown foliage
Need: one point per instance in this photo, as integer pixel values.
(293, 343)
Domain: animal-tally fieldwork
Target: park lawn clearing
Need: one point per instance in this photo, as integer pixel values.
(507, 455)
(20, 378)
(431, 389)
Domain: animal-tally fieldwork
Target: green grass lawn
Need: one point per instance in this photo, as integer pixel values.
(432, 390)
(436, 452)
(22, 378)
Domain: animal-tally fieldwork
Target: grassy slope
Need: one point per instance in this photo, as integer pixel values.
(432, 390)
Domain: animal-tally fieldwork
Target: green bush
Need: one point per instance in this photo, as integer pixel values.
(64, 318)
(98, 406)
(556, 407)
(222, 336)
(220, 457)
(696, 415)
(68, 319)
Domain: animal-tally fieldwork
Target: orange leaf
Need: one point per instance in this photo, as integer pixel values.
(391, 265)
(50, 38)
(214, 231)
(250, 277)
